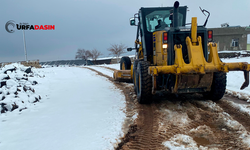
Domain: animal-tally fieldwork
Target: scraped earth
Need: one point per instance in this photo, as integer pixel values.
(186, 121)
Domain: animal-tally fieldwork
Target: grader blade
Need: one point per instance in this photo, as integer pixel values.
(122, 75)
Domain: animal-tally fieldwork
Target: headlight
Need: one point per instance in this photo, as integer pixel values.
(165, 46)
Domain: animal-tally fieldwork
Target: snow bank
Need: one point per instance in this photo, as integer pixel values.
(17, 90)
(239, 95)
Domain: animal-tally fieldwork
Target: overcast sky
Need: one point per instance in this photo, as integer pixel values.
(92, 24)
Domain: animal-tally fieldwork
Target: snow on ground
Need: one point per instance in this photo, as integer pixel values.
(210, 105)
(236, 78)
(181, 141)
(102, 70)
(78, 110)
(114, 66)
(176, 117)
(241, 52)
(240, 107)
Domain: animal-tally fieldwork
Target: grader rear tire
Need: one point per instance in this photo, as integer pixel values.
(125, 63)
(143, 83)
(218, 87)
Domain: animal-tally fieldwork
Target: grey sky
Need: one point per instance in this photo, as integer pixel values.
(94, 24)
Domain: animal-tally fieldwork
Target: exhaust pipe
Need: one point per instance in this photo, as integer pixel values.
(175, 14)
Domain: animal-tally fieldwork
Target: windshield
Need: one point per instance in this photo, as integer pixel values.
(160, 19)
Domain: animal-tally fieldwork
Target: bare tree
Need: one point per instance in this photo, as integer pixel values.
(95, 54)
(117, 49)
(83, 54)
(80, 54)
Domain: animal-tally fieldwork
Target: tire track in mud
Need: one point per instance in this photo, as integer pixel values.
(169, 115)
(146, 136)
(241, 117)
(207, 123)
(203, 124)
(223, 136)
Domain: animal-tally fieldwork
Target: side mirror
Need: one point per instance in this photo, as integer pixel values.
(129, 49)
(132, 21)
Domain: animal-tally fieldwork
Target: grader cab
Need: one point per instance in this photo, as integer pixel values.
(175, 57)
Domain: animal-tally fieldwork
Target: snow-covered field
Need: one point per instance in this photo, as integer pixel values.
(78, 110)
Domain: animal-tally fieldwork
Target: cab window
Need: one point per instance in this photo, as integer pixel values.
(160, 19)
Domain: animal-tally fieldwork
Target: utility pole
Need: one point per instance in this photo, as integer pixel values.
(24, 43)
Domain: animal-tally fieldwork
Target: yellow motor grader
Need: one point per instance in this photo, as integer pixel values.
(175, 57)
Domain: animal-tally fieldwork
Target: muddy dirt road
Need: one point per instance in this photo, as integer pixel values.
(186, 121)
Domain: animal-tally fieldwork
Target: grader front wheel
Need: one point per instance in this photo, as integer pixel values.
(218, 87)
(143, 83)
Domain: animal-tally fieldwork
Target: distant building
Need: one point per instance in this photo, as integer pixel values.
(231, 37)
